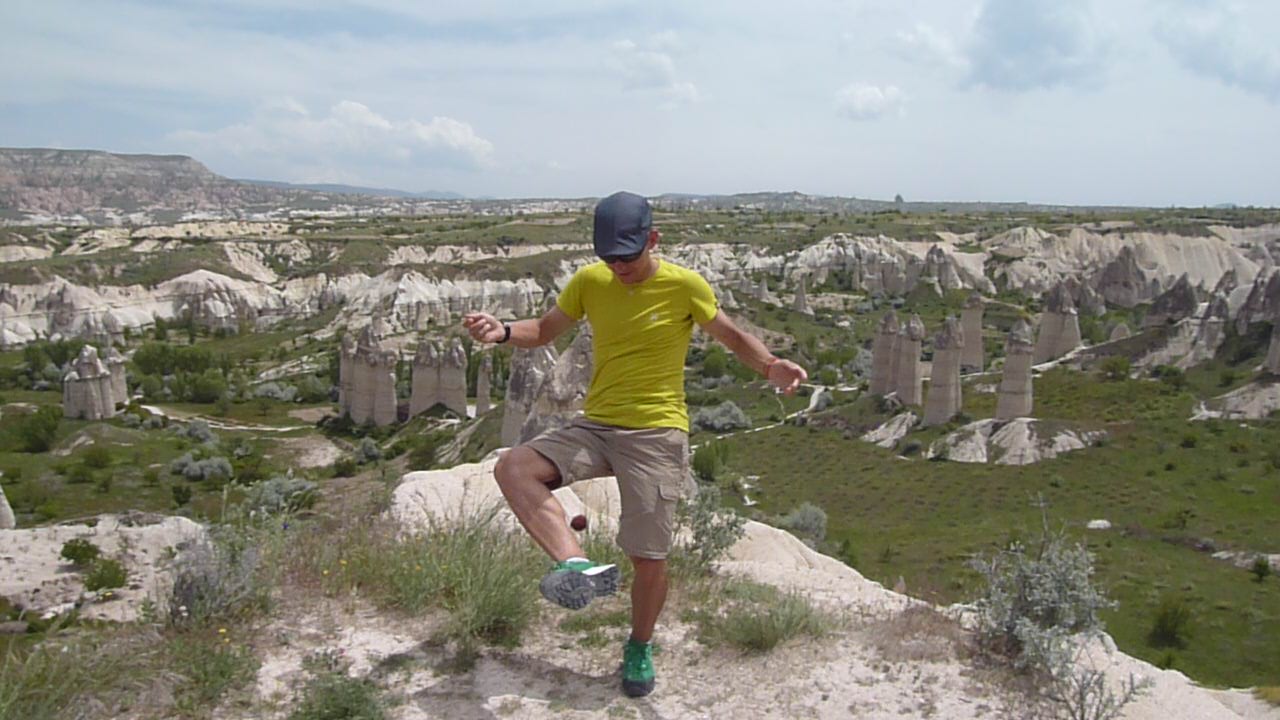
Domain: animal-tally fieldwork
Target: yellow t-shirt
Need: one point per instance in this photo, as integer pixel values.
(641, 335)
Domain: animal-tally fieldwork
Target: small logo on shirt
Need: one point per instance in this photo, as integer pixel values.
(653, 317)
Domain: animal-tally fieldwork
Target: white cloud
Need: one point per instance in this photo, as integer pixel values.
(652, 68)
(863, 101)
(1021, 45)
(1223, 42)
(284, 136)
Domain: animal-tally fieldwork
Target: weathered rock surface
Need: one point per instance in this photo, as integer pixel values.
(90, 390)
(1272, 364)
(529, 368)
(801, 302)
(7, 519)
(1174, 304)
(371, 377)
(1059, 327)
(944, 383)
(909, 375)
(884, 355)
(564, 389)
(972, 360)
(483, 391)
(439, 378)
(1014, 398)
(1021, 441)
(888, 434)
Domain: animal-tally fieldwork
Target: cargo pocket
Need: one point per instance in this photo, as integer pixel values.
(675, 478)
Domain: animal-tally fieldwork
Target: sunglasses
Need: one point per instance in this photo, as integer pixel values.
(614, 259)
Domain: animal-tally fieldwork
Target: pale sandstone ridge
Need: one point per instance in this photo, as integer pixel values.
(972, 360)
(483, 399)
(884, 354)
(908, 373)
(1014, 396)
(529, 367)
(439, 377)
(1119, 332)
(888, 434)
(369, 395)
(1021, 441)
(92, 388)
(944, 383)
(1059, 326)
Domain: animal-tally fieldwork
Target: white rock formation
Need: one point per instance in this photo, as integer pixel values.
(888, 434)
(564, 389)
(801, 302)
(908, 371)
(1059, 327)
(884, 355)
(372, 378)
(944, 382)
(439, 378)
(1176, 303)
(87, 389)
(1272, 364)
(453, 378)
(972, 359)
(119, 381)
(1119, 332)
(1262, 303)
(529, 367)
(1017, 442)
(7, 520)
(1210, 332)
(483, 400)
(1014, 398)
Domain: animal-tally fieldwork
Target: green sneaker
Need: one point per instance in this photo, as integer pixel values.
(574, 584)
(637, 668)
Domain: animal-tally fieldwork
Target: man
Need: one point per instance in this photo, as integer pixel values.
(635, 425)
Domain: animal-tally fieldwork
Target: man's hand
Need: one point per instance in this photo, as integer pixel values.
(483, 327)
(785, 375)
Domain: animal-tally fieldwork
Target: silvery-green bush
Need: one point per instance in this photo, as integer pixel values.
(214, 468)
(276, 391)
(721, 418)
(281, 494)
(807, 520)
(714, 529)
(369, 451)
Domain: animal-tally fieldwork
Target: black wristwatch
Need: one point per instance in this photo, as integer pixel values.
(506, 333)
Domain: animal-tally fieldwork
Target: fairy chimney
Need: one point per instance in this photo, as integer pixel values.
(1177, 303)
(86, 388)
(1273, 352)
(564, 389)
(1059, 327)
(1014, 396)
(884, 351)
(971, 359)
(944, 382)
(910, 375)
(370, 372)
(119, 385)
(801, 303)
(453, 378)
(529, 368)
(483, 375)
(424, 392)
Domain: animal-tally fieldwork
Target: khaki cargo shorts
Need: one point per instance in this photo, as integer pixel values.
(651, 465)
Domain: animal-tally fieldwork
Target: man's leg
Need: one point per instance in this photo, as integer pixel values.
(648, 595)
(523, 475)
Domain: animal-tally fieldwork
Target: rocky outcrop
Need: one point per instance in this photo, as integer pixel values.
(119, 381)
(439, 378)
(1210, 332)
(87, 389)
(1014, 397)
(1119, 332)
(801, 302)
(884, 355)
(1272, 364)
(909, 375)
(888, 434)
(371, 373)
(1176, 303)
(1022, 441)
(1262, 303)
(483, 375)
(944, 381)
(1059, 327)
(564, 389)
(529, 368)
(972, 360)
(1125, 283)
(7, 520)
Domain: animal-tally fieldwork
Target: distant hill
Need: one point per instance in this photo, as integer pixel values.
(358, 190)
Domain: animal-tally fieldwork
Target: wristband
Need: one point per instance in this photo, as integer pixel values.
(506, 333)
(768, 364)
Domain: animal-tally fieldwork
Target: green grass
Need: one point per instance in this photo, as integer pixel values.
(923, 520)
(752, 617)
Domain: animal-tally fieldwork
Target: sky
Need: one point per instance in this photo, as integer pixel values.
(1087, 102)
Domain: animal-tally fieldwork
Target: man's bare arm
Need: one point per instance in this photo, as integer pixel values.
(782, 374)
(524, 333)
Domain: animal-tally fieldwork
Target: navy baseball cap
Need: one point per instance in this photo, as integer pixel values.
(623, 221)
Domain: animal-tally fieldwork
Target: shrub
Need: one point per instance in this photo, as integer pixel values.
(80, 551)
(281, 494)
(721, 418)
(807, 520)
(1169, 626)
(276, 391)
(1115, 367)
(97, 456)
(423, 454)
(199, 431)
(217, 579)
(709, 459)
(714, 530)
(1260, 568)
(759, 618)
(35, 431)
(368, 452)
(1189, 440)
(344, 467)
(336, 696)
(216, 469)
(181, 495)
(105, 574)
(209, 386)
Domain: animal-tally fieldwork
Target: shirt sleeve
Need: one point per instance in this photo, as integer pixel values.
(702, 300)
(570, 299)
